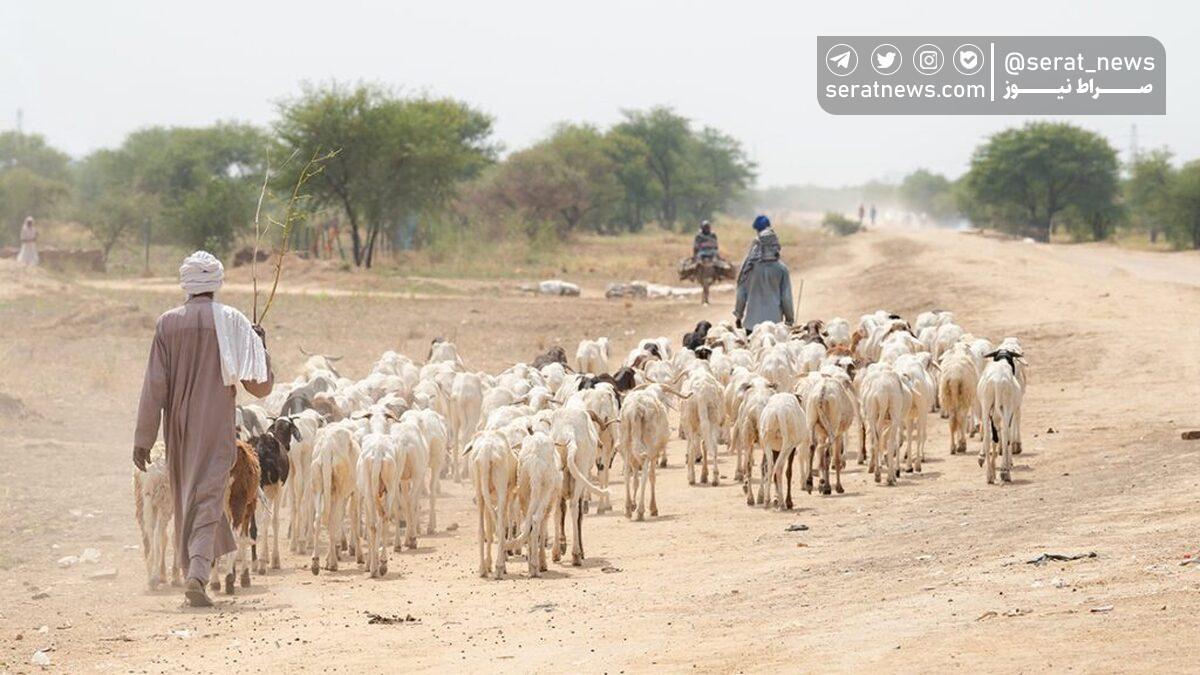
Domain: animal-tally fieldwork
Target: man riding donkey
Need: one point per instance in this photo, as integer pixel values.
(201, 350)
(706, 265)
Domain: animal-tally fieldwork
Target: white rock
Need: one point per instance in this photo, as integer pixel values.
(40, 658)
(68, 560)
(182, 633)
(1058, 582)
(90, 555)
(44, 629)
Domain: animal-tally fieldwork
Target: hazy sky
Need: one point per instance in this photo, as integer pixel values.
(87, 73)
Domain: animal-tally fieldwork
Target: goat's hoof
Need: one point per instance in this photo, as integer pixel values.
(737, 476)
(878, 478)
(839, 489)
(825, 490)
(383, 570)
(275, 565)
(750, 500)
(1005, 477)
(245, 579)
(1016, 448)
(641, 515)
(691, 481)
(315, 567)
(576, 561)
(215, 584)
(980, 461)
(788, 505)
(229, 584)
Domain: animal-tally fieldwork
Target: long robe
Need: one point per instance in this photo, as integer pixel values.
(28, 255)
(183, 383)
(765, 294)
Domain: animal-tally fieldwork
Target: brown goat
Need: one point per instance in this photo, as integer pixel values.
(241, 499)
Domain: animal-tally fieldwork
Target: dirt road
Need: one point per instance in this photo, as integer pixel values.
(930, 574)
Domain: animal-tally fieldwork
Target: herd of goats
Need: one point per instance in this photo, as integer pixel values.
(355, 458)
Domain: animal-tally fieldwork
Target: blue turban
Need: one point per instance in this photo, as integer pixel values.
(761, 223)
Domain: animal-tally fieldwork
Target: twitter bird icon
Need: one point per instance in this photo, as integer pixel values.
(886, 59)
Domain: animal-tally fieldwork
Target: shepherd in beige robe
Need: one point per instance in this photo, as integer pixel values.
(186, 383)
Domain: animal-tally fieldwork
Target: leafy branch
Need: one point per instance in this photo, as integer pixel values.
(292, 213)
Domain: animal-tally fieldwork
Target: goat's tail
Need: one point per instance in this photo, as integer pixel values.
(581, 476)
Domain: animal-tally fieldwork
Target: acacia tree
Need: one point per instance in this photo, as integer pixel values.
(34, 179)
(1183, 206)
(568, 180)
(717, 172)
(398, 156)
(664, 136)
(1023, 178)
(199, 185)
(928, 193)
(1147, 190)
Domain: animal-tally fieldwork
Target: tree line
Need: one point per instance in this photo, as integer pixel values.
(1047, 179)
(409, 169)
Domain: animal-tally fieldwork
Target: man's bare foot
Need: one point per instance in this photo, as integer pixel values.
(195, 594)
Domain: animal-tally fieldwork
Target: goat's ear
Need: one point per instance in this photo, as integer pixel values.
(295, 433)
(991, 354)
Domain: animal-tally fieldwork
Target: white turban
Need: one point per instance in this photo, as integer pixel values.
(201, 272)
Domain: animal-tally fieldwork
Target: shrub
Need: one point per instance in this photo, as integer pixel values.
(839, 224)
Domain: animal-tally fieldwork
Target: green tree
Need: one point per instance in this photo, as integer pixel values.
(1147, 191)
(1183, 206)
(34, 180)
(568, 179)
(104, 200)
(928, 193)
(1022, 179)
(718, 172)
(30, 151)
(640, 192)
(398, 156)
(199, 184)
(665, 138)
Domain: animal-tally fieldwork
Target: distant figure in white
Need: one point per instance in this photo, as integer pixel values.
(28, 254)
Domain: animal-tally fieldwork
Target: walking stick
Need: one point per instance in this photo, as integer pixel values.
(799, 294)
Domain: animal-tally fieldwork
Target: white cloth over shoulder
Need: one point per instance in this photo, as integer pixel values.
(243, 356)
(201, 272)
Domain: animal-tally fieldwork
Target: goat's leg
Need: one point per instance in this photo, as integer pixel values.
(558, 546)
(577, 523)
(787, 503)
(414, 514)
(630, 488)
(651, 477)
(435, 486)
(862, 442)
(839, 452)
(485, 565)
(356, 527)
(501, 533)
(691, 458)
(316, 534)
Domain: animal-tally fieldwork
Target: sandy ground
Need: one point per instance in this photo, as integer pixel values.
(930, 574)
